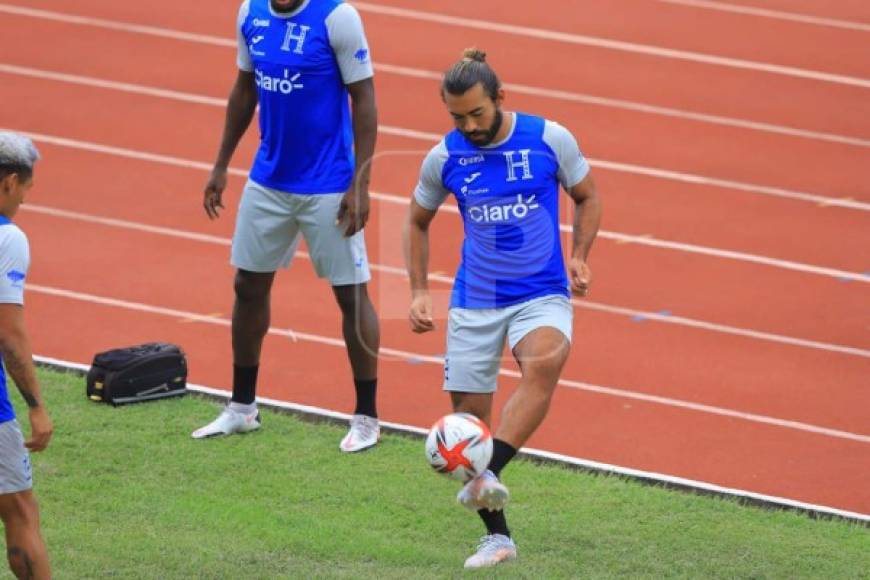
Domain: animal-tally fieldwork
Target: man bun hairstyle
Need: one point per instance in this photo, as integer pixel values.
(471, 69)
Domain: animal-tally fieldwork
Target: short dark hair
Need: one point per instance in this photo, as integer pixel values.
(24, 173)
(17, 155)
(471, 69)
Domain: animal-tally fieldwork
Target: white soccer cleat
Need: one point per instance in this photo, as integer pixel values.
(364, 433)
(484, 492)
(493, 549)
(229, 422)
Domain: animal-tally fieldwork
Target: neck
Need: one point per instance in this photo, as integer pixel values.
(507, 125)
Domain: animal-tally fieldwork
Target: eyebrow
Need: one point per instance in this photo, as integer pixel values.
(458, 116)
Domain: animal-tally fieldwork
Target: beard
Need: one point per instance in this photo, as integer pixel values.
(285, 8)
(484, 138)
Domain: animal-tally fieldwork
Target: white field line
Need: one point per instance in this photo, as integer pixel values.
(616, 45)
(296, 335)
(440, 278)
(775, 14)
(540, 454)
(820, 200)
(616, 236)
(432, 75)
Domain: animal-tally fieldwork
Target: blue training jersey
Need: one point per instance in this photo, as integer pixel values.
(14, 262)
(508, 196)
(302, 63)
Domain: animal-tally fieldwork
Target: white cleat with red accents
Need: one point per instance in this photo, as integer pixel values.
(364, 433)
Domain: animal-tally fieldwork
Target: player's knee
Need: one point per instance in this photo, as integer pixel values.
(251, 288)
(351, 299)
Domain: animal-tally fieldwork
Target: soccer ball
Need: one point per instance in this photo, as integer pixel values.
(459, 445)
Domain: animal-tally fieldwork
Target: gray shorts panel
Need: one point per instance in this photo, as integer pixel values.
(476, 338)
(16, 473)
(268, 227)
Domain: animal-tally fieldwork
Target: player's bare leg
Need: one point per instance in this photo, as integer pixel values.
(251, 316)
(541, 355)
(25, 548)
(362, 336)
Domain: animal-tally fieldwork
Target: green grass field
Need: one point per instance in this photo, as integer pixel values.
(126, 493)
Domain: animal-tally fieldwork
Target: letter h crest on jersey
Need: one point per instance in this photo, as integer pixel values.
(291, 35)
(513, 164)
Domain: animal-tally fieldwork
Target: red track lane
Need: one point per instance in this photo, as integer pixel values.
(693, 86)
(638, 21)
(670, 26)
(856, 10)
(731, 372)
(606, 133)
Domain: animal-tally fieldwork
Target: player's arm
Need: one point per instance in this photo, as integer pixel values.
(241, 106)
(348, 41)
(587, 218)
(354, 210)
(18, 358)
(240, 110)
(416, 249)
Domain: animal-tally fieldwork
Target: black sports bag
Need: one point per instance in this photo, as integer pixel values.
(137, 373)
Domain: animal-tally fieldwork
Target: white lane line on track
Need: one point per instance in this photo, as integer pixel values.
(432, 75)
(408, 355)
(642, 240)
(441, 278)
(775, 14)
(616, 45)
(820, 200)
(679, 482)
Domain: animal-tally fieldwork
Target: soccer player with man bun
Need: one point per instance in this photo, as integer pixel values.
(505, 170)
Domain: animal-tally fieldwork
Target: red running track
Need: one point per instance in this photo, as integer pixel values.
(724, 401)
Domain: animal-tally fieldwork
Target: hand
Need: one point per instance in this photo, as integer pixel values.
(580, 276)
(40, 429)
(353, 212)
(420, 314)
(214, 190)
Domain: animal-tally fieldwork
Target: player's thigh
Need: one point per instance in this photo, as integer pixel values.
(267, 230)
(475, 344)
(340, 259)
(539, 334)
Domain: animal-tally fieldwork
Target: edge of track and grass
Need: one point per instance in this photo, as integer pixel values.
(743, 497)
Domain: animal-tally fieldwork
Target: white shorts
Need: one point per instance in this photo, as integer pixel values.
(16, 473)
(268, 225)
(476, 337)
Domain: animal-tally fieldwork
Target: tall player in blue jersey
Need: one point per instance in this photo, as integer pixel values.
(504, 170)
(25, 548)
(301, 60)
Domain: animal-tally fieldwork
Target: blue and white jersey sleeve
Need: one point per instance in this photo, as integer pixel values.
(573, 167)
(14, 262)
(430, 192)
(243, 57)
(348, 41)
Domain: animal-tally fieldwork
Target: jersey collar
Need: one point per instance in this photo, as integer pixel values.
(288, 14)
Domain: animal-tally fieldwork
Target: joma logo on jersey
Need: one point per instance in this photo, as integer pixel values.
(276, 84)
(291, 35)
(514, 164)
(502, 212)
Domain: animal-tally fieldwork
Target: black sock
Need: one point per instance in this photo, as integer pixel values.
(365, 397)
(244, 384)
(495, 522)
(502, 453)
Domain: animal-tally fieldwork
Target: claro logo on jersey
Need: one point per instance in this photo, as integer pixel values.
(502, 212)
(284, 85)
